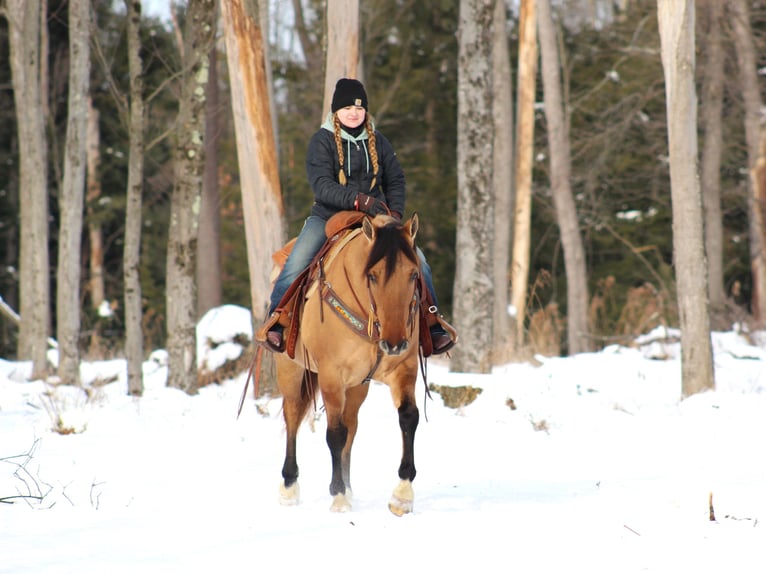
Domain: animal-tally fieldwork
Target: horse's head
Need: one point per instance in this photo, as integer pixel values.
(392, 272)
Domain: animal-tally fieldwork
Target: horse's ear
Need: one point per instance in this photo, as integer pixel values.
(412, 226)
(368, 229)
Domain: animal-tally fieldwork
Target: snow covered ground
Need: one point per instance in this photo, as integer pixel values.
(599, 467)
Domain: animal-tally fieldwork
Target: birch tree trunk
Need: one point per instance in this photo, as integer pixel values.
(676, 22)
(578, 337)
(25, 32)
(711, 109)
(134, 337)
(502, 181)
(183, 233)
(748, 74)
(209, 248)
(525, 122)
(474, 274)
(342, 46)
(247, 51)
(72, 194)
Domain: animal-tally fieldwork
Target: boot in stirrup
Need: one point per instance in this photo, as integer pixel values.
(271, 334)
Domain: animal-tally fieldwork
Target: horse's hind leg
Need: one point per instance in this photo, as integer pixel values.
(296, 386)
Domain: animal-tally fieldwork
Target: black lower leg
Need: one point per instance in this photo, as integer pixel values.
(290, 467)
(408, 422)
(336, 440)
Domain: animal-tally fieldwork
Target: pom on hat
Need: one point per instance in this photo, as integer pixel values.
(348, 92)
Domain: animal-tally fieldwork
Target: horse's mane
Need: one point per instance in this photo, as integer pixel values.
(389, 242)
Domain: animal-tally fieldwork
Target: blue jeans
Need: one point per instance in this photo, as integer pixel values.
(308, 244)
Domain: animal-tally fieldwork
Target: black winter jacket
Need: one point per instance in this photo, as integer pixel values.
(323, 165)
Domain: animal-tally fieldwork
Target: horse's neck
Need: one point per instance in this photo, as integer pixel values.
(328, 263)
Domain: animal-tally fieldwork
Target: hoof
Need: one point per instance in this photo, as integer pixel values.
(402, 498)
(340, 503)
(289, 495)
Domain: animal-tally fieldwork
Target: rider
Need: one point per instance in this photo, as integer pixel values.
(350, 166)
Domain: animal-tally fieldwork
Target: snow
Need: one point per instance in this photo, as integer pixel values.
(600, 467)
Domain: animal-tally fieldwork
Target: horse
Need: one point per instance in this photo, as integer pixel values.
(360, 320)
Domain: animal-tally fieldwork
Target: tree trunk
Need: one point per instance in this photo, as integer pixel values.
(72, 194)
(525, 125)
(676, 22)
(93, 193)
(24, 31)
(502, 184)
(183, 233)
(134, 337)
(578, 337)
(711, 108)
(474, 252)
(748, 74)
(256, 152)
(209, 255)
(342, 46)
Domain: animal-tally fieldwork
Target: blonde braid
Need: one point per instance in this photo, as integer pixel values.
(339, 145)
(373, 149)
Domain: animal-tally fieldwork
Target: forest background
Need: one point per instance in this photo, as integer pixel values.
(614, 93)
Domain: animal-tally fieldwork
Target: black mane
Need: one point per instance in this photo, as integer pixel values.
(389, 242)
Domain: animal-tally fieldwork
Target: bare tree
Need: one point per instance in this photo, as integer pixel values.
(561, 173)
(676, 22)
(711, 108)
(342, 59)
(502, 183)
(748, 74)
(134, 338)
(209, 246)
(525, 132)
(25, 22)
(246, 52)
(474, 275)
(92, 195)
(188, 163)
(72, 194)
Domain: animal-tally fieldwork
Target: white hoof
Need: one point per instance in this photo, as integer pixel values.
(340, 503)
(289, 496)
(402, 498)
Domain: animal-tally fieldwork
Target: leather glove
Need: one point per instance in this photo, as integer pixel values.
(370, 205)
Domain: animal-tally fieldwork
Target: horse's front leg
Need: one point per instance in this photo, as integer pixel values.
(337, 433)
(403, 496)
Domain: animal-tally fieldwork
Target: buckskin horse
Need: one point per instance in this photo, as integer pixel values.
(360, 320)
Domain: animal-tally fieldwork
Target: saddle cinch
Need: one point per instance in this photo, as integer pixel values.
(290, 308)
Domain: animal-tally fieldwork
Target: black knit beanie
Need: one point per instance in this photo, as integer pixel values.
(348, 92)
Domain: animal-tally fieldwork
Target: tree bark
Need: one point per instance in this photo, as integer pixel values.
(134, 337)
(92, 195)
(183, 233)
(748, 74)
(209, 255)
(711, 110)
(256, 152)
(342, 46)
(676, 22)
(72, 194)
(525, 126)
(578, 336)
(502, 181)
(474, 274)
(25, 32)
